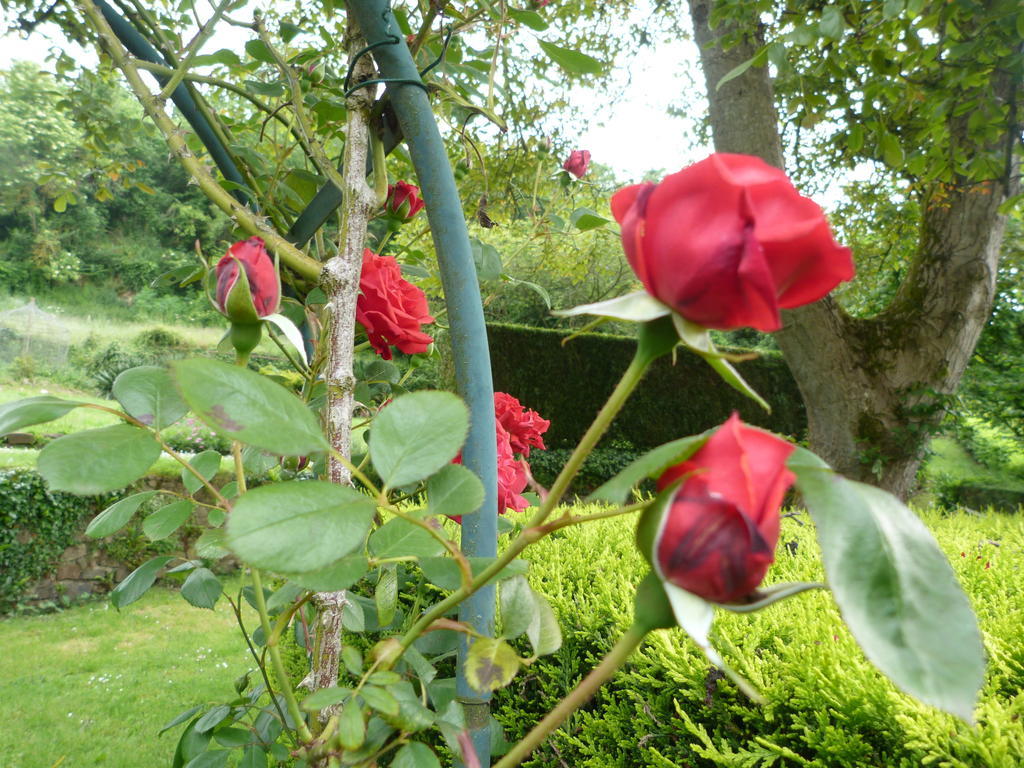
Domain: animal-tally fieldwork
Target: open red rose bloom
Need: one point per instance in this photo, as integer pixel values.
(728, 242)
(720, 530)
(260, 271)
(517, 429)
(390, 308)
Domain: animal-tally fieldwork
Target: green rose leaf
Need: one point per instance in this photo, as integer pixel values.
(206, 464)
(298, 526)
(415, 754)
(325, 697)
(147, 393)
(491, 664)
(254, 757)
(248, 407)
(98, 460)
(544, 633)
(116, 516)
(202, 589)
(454, 491)
(340, 574)
(137, 582)
(33, 410)
(416, 435)
(400, 538)
(895, 588)
(166, 520)
(443, 572)
(573, 62)
(380, 699)
(532, 19)
(518, 608)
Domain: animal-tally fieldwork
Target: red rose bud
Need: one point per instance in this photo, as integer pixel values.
(259, 295)
(578, 163)
(524, 427)
(718, 533)
(390, 308)
(728, 242)
(403, 201)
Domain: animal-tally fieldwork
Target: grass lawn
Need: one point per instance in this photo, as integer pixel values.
(91, 686)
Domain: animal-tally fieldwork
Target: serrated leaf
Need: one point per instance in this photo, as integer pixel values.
(572, 61)
(544, 633)
(385, 596)
(585, 219)
(33, 410)
(248, 407)
(213, 718)
(380, 699)
(491, 664)
(206, 464)
(351, 726)
(211, 544)
(532, 19)
(518, 609)
(179, 719)
(166, 520)
(98, 460)
(444, 571)
(298, 526)
(325, 697)
(116, 516)
(412, 715)
(138, 582)
(454, 491)
(415, 754)
(254, 757)
(895, 588)
(148, 394)
(202, 589)
(400, 538)
(416, 435)
(339, 575)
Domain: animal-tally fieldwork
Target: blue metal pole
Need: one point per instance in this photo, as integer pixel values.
(466, 317)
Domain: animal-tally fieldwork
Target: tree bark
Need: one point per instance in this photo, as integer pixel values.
(340, 281)
(874, 388)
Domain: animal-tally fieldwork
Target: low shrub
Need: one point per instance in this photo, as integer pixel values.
(826, 705)
(603, 463)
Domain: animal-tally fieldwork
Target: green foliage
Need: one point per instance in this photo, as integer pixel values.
(602, 463)
(36, 526)
(672, 401)
(826, 705)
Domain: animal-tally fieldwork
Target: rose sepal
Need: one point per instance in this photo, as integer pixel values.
(238, 305)
(241, 337)
(697, 339)
(291, 332)
(762, 598)
(637, 307)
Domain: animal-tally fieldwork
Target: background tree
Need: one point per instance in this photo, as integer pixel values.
(928, 92)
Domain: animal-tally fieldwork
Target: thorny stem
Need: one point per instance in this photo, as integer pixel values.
(577, 698)
(533, 531)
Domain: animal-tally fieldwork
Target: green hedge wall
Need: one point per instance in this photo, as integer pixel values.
(568, 385)
(827, 706)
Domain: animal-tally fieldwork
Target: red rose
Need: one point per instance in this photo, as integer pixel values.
(578, 162)
(512, 478)
(524, 427)
(728, 242)
(390, 308)
(403, 201)
(260, 294)
(719, 532)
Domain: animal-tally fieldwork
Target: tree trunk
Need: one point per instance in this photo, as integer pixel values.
(874, 388)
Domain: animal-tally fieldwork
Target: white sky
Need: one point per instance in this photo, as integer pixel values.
(631, 135)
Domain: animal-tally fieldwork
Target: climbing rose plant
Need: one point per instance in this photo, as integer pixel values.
(725, 243)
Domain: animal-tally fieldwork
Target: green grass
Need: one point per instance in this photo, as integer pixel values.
(91, 686)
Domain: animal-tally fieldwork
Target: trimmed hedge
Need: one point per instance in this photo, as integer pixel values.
(827, 707)
(569, 384)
